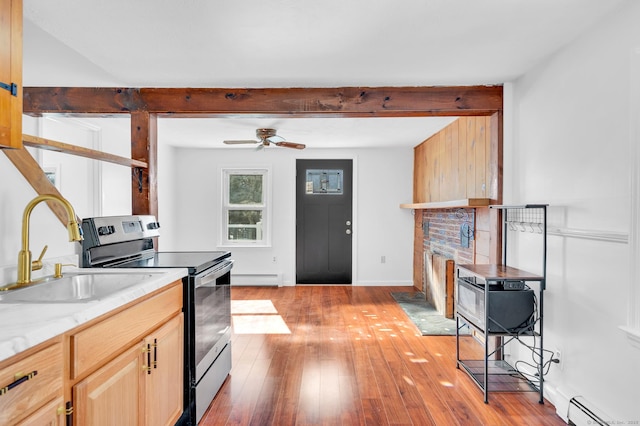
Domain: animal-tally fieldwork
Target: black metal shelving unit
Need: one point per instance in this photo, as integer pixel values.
(492, 373)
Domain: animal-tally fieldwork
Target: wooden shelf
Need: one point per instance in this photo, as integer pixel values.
(499, 273)
(52, 145)
(466, 202)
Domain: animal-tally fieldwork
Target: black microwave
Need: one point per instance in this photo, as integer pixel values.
(510, 311)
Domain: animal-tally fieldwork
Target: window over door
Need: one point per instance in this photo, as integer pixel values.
(245, 207)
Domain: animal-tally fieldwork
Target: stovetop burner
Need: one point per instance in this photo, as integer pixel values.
(195, 261)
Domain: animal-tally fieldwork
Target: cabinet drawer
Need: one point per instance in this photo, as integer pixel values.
(93, 346)
(52, 414)
(32, 393)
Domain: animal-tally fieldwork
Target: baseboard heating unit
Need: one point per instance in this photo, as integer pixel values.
(579, 414)
(268, 280)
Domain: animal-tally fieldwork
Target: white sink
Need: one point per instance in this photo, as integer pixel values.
(74, 288)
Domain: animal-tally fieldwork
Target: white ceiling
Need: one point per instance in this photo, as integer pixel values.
(296, 43)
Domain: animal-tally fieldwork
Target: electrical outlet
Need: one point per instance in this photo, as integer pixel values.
(275, 259)
(383, 259)
(557, 356)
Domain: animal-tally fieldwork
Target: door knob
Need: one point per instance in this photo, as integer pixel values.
(348, 231)
(348, 223)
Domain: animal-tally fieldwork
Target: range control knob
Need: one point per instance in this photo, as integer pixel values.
(153, 225)
(106, 230)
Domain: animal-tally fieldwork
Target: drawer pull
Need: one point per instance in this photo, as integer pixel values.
(18, 382)
(148, 368)
(155, 353)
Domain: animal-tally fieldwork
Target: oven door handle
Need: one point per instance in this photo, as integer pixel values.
(209, 278)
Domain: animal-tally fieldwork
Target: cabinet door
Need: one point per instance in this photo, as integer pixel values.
(11, 72)
(113, 395)
(164, 384)
(33, 381)
(88, 348)
(52, 414)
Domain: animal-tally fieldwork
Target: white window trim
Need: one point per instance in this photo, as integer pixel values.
(632, 328)
(266, 207)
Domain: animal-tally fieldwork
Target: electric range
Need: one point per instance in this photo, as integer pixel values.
(129, 242)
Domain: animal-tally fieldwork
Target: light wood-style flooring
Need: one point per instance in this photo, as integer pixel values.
(352, 357)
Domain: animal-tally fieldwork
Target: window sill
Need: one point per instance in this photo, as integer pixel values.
(633, 335)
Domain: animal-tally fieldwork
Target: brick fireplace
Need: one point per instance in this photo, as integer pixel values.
(448, 239)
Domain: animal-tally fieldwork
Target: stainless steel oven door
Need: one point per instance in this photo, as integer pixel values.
(212, 308)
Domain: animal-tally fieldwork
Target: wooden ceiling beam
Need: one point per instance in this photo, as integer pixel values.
(144, 147)
(292, 102)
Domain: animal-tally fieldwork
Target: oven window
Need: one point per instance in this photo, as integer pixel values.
(212, 318)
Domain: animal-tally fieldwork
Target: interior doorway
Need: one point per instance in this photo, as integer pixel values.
(324, 223)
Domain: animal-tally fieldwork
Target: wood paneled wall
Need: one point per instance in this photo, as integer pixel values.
(462, 161)
(457, 163)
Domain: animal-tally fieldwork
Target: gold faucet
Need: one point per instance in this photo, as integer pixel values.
(24, 257)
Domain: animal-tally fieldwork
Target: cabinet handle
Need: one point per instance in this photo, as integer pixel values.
(155, 353)
(18, 382)
(69, 413)
(148, 358)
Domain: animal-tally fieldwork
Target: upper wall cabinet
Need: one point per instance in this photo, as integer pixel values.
(460, 162)
(10, 73)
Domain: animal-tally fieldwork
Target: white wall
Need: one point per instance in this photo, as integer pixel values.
(567, 143)
(382, 180)
(168, 208)
(15, 193)
(92, 188)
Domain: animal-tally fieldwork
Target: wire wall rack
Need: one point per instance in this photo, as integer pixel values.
(529, 218)
(492, 283)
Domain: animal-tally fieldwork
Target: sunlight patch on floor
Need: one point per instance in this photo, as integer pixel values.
(256, 317)
(253, 307)
(259, 324)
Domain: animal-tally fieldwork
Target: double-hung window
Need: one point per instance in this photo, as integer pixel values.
(245, 213)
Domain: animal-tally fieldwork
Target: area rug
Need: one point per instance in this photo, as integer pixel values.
(425, 316)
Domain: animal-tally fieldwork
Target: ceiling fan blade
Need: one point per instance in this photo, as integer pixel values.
(240, 142)
(291, 145)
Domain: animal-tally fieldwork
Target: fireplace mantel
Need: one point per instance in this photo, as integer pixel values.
(464, 203)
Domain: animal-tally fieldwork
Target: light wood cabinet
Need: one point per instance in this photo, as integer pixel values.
(29, 383)
(112, 395)
(51, 414)
(125, 367)
(120, 330)
(142, 386)
(134, 378)
(11, 73)
(164, 390)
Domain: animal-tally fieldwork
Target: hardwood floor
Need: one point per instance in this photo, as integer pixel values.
(352, 357)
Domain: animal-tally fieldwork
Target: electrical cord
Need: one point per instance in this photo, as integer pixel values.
(527, 329)
(537, 354)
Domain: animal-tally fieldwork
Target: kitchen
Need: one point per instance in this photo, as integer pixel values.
(595, 197)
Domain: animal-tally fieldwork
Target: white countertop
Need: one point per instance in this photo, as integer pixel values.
(24, 325)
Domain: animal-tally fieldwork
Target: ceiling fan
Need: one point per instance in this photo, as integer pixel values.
(267, 137)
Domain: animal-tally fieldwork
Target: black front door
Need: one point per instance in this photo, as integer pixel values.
(323, 221)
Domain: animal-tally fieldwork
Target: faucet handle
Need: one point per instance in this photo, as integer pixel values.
(37, 264)
(58, 269)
